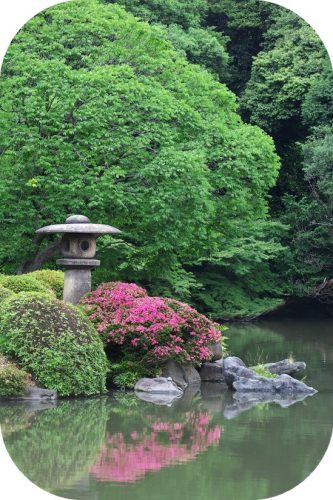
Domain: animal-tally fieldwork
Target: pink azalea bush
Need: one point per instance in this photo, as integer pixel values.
(160, 328)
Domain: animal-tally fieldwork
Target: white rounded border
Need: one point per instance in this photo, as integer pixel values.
(13, 484)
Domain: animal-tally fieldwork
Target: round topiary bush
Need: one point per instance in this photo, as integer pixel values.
(157, 328)
(4, 293)
(23, 283)
(13, 381)
(55, 342)
(53, 280)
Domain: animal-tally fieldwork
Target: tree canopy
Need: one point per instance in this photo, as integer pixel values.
(101, 115)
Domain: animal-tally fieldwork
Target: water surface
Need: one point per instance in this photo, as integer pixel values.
(204, 445)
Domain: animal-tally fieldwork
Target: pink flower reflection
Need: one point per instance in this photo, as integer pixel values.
(157, 446)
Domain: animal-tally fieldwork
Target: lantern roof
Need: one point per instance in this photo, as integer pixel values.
(78, 224)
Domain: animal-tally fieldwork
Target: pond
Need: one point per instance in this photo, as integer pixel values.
(201, 446)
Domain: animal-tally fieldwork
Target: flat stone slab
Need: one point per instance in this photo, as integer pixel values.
(158, 385)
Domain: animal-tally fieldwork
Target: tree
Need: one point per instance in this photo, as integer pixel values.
(244, 22)
(291, 58)
(102, 116)
(184, 22)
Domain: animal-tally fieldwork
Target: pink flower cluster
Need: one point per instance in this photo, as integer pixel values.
(128, 459)
(161, 328)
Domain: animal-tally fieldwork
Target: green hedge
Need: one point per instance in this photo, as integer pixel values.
(54, 342)
(4, 293)
(53, 280)
(12, 381)
(23, 283)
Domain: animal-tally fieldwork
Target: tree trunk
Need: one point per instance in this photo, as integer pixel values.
(40, 256)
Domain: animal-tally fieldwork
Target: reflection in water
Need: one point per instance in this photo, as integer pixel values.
(121, 447)
(161, 444)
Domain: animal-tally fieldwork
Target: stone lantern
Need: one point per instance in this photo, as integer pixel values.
(78, 247)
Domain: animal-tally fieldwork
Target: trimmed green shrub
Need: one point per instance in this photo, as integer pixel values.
(55, 342)
(54, 280)
(4, 293)
(13, 381)
(23, 283)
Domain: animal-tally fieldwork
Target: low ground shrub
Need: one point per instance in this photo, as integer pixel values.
(53, 280)
(153, 328)
(13, 381)
(23, 283)
(55, 342)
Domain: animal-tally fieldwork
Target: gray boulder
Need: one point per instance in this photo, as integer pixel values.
(182, 374)
(212, 371)
(175, 371)
(233, 368)
(283, 384)
(39, 394)
(35, 394)
(159, 385)
(286, 367)
(216, 351)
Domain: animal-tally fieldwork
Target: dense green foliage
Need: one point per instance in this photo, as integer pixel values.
(4, 293)
(53, 280)
(291, 58)
(135, 135)
(55, 342)
(12, 381)
(281, 71)
(183, 22)
(23, 283)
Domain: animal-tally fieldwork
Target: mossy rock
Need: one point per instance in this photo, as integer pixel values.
(54, 342)
(24, 283)
(53, 280)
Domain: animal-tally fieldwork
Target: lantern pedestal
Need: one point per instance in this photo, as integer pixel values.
(77, 278)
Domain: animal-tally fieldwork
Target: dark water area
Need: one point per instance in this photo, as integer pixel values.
(204, 445)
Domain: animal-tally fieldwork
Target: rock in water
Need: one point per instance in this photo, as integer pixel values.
(159, 385)
(174, 370)
(286, 367)
(39, 394)
(233, 368)
(212, 372)
(182, 375)
(284, 384)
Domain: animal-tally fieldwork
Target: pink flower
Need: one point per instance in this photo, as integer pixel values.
(163, 328)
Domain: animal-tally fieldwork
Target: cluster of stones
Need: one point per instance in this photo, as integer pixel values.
(228, 373)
